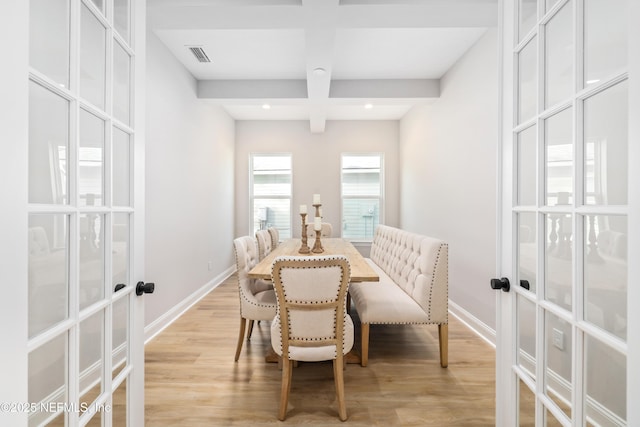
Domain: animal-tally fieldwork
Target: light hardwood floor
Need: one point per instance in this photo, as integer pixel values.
(192, 380)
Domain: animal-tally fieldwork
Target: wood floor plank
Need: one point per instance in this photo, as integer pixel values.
(192, 379)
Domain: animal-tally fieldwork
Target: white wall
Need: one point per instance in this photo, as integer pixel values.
(189, 185)
(316, 163)
(448, 175)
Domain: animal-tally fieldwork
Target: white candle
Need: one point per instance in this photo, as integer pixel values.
(303, 209)
(316, 199)
(317, 223)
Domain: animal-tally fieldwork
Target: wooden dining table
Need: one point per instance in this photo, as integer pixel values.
(361, 271)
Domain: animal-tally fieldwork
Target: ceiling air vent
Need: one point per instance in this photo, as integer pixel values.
(199, 53)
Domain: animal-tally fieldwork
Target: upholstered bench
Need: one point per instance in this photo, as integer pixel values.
(413, 286)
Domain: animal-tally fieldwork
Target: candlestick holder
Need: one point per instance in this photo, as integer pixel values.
(304, 249)
(317, 245)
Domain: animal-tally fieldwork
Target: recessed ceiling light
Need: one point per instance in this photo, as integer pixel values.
(266, 106)
(368, 106)
(319, 71)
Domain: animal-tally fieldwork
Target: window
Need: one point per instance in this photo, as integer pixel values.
(271, 192)
(362, 194)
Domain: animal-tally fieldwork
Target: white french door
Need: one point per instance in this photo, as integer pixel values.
(569, 214)
(75, 356)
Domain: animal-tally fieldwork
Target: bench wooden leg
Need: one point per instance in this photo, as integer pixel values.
(364, 332)
(443, 336)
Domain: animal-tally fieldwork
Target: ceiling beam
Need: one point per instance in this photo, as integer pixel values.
(434, 14)
(252, 89)
(320, 37)
(387, 88)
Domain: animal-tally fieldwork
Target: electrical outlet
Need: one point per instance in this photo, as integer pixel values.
(210, 265)
(558, 339)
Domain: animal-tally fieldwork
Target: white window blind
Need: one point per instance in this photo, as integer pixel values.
(271, 192)
(362, 194)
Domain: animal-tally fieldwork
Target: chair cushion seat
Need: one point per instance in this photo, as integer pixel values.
(384, 301)
(311, 354)
(263, 308)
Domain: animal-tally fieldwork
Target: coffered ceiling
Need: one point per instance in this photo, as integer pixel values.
(320, 60)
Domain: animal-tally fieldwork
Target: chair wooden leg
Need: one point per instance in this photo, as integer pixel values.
(243, 323)
(250, 330)
(285, 387)
(338, 375)
(443, 337)
(364, 332)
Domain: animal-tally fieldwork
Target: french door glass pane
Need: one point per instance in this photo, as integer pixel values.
(550, 4)
(48, 271)
(92, 59)
(527, 82)
(119, 409)
(120, 250)
(99, 4)
(559, 56)
(606, 147)
(527, 15)
(91, 261)
(527, 335)
(605, 45)
(527, 148)
(48, 146)
(559, 259)
(526, 406)
(605, 272)
(122, 18)
(91, 160)
(48, 385)
(558, 359)
(527, 249)
(120, 339)
(605, 385)
(551, 421)
(559, 158)
(121, 84)
(49, 39)
(91, 363)
(121, 161)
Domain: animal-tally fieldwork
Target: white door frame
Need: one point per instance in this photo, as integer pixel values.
(506, 391)
(13, 193)
(14, 140)
(633, 337)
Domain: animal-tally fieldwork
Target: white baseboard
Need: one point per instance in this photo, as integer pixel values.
(476, 325)
(162, 322)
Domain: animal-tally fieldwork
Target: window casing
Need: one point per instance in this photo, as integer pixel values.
(362, 192)
(271, 187)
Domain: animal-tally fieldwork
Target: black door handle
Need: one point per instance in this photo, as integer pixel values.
(118, 287)
(525, 284)
(145, 288)
(502, 283)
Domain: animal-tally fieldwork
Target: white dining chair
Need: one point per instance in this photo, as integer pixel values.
(275, 237)
(257, 297)
(311, 322)
(263, 237)
(325, 232)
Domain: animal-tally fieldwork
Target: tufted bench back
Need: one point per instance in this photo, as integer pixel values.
(418, 264)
